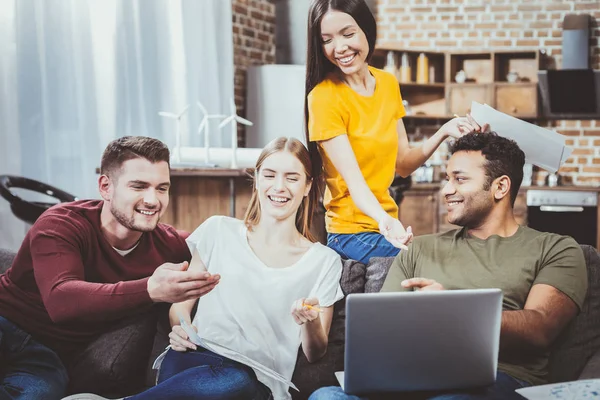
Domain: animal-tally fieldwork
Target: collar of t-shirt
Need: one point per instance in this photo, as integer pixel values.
(125, 252)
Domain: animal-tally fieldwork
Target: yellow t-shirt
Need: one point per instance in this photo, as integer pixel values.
(370, 123)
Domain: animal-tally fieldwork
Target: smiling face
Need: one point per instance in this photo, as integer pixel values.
(344, 43)
(281, 185)
(468, 195)
(138, 193)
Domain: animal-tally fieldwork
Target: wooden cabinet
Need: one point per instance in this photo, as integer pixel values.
(506, 80)
(518, 100)
(419, 209)
(460, 97)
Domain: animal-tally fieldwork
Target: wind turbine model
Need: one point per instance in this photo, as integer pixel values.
(205, 126)
(234, 119)
(177, 117)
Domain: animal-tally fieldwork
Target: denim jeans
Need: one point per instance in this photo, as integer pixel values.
(361, 246)
(204, 375)
(503, 388)
(28, 369)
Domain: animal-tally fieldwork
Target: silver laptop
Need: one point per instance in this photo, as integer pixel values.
(412, 341)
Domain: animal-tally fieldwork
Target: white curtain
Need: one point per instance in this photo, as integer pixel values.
(75, 74)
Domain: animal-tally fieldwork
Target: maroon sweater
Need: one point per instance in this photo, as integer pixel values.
(67, 284)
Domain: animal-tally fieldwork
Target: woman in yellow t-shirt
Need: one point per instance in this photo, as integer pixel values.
(355, 132)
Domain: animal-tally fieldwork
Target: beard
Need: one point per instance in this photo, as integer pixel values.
(129, 221)
(474, 212)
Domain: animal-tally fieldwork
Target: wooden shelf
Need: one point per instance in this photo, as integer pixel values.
(422, 85)
(487, 70)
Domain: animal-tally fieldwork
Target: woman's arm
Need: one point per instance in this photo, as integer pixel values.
(408, 160)
(185, 308)
(342, 156)
(315, 322)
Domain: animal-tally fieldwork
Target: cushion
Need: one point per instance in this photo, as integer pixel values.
(377, 270)
(6, 259)
(581, 338)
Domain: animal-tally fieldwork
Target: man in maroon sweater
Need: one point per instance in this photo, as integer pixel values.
(87, 279)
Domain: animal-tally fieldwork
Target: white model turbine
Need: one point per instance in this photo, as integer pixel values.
(205, 126)
(234, 119)
(177, 150)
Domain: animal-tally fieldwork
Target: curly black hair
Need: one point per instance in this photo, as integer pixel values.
(503, 157)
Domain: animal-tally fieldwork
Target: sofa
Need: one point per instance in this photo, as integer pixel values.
(575, 354)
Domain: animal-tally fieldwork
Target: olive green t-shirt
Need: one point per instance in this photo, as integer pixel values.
(513, 264)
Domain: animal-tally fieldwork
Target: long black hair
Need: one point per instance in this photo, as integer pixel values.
(318, 67)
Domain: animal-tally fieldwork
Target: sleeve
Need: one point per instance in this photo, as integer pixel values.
(563, 267)
(328, 289)
(401, 111)
(203, 239)
(402, 268)
(60, 276)
(325, 115)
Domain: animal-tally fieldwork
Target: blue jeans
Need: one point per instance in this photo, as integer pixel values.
(204, 375)
(361, 246)
(28, 369)
(503, 388)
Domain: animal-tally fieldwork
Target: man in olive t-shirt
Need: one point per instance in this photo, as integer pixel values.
(542, 275)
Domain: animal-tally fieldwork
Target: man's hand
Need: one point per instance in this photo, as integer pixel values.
(173, 283)
(422, 284)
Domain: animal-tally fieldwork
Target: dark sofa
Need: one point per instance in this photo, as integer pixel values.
(575, 355)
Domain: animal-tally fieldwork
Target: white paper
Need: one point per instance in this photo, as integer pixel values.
(542, 147)
(576, 390)
(232, 354)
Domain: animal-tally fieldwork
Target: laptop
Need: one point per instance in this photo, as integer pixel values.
(425, 340)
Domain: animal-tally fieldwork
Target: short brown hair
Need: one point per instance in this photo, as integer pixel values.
(309, 203)
(129, 147)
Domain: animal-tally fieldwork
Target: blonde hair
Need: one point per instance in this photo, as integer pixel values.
(309, 203)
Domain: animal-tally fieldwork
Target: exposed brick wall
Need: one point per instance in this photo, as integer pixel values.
(447, 25)
(253, 44)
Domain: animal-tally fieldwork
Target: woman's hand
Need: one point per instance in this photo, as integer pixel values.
(179, 340)
(305, 310)
(393, 231)
(460, 126)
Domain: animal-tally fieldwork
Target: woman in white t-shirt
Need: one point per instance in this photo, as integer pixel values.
(275, 287)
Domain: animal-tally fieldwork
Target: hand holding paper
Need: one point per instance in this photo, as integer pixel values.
(542, 147)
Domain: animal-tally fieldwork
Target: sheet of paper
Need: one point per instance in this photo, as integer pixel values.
(576, 390)
(542, 147)
(234, 355)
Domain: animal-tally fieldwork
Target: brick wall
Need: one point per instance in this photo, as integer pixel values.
(253, 44)
(446, 25)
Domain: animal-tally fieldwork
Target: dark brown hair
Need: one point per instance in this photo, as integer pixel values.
(318, 67)
(309, 203)
(129, 147)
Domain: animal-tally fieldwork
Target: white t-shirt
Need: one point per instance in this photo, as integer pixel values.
(249, 311)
